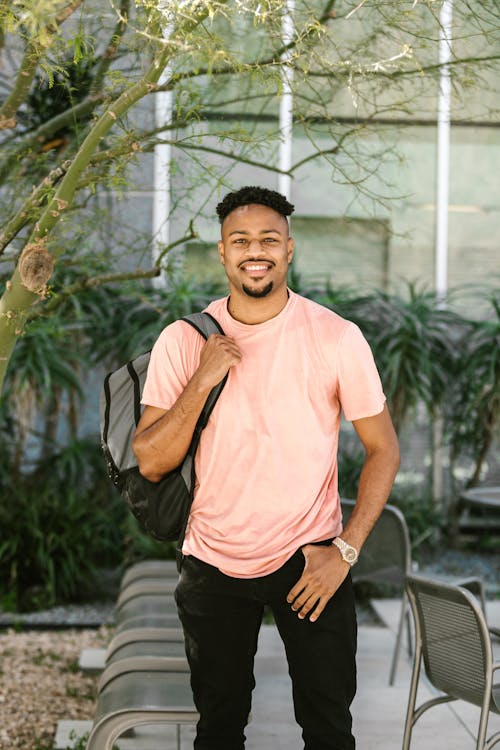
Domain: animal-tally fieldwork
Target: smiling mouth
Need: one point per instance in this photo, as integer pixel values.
(256, 270)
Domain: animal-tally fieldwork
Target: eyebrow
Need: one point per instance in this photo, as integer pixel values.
(262, 231)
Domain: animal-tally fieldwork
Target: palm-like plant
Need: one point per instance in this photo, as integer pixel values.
(58, 524)
(473, 416)
(43, 372)
(413, 342)
(129, 321)
(66, 518)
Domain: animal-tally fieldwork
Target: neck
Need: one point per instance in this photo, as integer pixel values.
(252, 310)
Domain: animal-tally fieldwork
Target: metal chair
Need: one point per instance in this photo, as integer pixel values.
(386, 558)
(452, 637)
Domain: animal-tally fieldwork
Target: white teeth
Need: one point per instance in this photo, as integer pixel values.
(256, 268)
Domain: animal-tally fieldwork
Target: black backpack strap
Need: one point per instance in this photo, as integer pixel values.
(205, 324)
(137, 391)
(107, 398)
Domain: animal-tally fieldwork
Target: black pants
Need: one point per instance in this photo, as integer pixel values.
(221, 617)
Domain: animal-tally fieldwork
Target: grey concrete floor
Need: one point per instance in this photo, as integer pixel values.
(378, 709)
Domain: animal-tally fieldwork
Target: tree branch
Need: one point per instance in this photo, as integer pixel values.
(109, 278)
(191, 235)
(327, 15)
(370, 71)
(23, 215)
(4, 7)
(131, 146)
(21, 291)
(84, 108)
(111, 48)
(219, 152)
(91, 283)
(34, 52)
(35, 265)
(21, 86)
(325, 152)
(105, 122)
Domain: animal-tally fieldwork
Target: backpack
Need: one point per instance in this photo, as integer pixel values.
(162, 508)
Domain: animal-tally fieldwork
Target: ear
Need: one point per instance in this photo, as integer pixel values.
(290, 249)
(220, 248)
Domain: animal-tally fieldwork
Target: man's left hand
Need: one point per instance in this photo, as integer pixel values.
(324, 572)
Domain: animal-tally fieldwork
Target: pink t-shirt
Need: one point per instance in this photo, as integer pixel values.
(267, 460)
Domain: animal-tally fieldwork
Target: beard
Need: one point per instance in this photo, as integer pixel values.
(258, 293)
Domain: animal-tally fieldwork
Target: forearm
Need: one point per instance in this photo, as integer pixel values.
(375, 483)
(162, 445)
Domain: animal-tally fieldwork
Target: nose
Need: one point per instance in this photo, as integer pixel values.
(255, 248)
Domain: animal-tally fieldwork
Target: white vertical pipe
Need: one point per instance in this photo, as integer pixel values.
(161, 180)
(442, 202)
(161, 169)
(443, 152)
(286, 105)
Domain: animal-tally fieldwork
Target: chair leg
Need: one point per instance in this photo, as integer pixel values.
(409, 635)
(399, 636)
(410, 712)
(483, 725)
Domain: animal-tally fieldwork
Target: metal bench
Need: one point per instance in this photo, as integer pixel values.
(149, 663)
(151, 586)
(141, 629)
(150, 569)
(145, 680)
(139, 698)
(147, 605)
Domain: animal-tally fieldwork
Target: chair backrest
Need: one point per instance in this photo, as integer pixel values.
(453, 634)
(386, 554)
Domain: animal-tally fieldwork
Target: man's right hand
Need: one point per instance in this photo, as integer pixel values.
(162, 437)
(218, 355)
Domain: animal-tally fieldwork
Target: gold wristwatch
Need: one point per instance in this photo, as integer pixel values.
(349, 553)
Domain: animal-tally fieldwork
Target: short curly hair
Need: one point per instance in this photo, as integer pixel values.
(252, 194)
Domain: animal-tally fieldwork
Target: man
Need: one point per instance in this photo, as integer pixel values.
(265, 525)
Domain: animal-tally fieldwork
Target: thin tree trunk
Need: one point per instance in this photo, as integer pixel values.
(17, 298)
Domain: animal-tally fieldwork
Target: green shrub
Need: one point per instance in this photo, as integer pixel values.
(61, 520)
(59, 524)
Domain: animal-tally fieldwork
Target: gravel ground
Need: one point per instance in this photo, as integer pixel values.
(72, 616)
(40, 682)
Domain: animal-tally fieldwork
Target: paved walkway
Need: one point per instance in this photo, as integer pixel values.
(378, 710)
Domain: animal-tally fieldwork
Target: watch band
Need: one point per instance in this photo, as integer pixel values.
(348, 552)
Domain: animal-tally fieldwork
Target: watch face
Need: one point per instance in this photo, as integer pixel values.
(350, 555)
